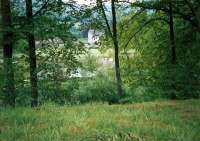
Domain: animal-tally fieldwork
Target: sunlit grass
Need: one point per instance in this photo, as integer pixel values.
(151, 121)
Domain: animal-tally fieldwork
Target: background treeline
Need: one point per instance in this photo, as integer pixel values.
(157, 45)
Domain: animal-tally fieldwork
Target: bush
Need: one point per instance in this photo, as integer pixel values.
(60, 93)
(80, 91)
(99, 89)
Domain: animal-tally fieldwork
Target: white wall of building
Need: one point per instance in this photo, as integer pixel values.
(94, 36)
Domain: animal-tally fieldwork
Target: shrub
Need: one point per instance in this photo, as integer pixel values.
(99, 89)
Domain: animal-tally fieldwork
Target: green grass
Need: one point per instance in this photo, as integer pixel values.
(151, 121)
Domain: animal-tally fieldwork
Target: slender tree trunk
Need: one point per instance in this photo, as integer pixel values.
(116, 46)
(1, 45)
(172, 39)
(173, 48)
(32, 54)
(7, 41)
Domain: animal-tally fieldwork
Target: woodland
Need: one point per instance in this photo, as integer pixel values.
(94, 70)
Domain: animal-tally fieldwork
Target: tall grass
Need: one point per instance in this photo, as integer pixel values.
(151, 121)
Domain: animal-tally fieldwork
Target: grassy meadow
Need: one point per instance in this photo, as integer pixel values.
(149, 121)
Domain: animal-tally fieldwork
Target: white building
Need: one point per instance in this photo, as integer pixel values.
(94, 36)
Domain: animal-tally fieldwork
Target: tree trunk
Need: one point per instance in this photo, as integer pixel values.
(172, 39)
(116, 46)
(32, 54)
(7, 41)
(173, 48)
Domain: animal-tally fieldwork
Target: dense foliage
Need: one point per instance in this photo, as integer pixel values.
(158, 52)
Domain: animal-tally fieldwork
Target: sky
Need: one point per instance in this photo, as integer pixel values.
(87, 2)
(82, 2)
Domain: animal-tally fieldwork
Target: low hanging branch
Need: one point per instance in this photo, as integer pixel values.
(178, 10)
(131, 19)
(142, 27)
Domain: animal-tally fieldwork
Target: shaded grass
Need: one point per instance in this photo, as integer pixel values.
(150, 121)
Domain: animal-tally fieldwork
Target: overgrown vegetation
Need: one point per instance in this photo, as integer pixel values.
(81, 56)
(147, 50)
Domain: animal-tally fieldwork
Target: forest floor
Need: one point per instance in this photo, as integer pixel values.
(149, 121)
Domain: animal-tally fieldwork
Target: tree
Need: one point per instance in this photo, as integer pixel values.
(171, 25)
(116, 45)
(160, 54)
(183, 9)
(7, 41)
(113, 33)
(168, 8)
(32, 54)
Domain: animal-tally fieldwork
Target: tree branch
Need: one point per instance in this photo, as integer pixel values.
(142, 27)
(44, 6)
(100, 3)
